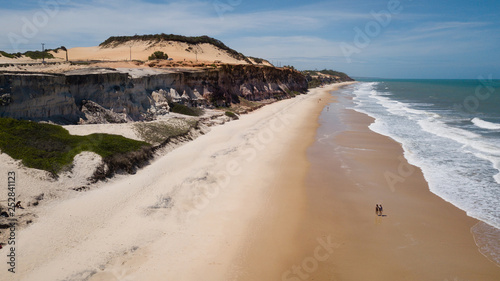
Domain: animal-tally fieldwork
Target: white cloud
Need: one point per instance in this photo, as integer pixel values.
(308, 35)
(438, 26)
(276, 47)
(87, 23)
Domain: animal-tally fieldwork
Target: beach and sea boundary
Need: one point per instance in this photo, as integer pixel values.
(276, 195)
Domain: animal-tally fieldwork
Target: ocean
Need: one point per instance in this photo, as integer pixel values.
(451, 130)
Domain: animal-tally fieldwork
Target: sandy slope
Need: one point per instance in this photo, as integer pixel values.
(140, 50)
(182, 217)
(182, 55)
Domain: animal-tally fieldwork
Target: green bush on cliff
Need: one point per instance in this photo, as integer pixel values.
(314, 83)
(156, 133)
(10, 56)
(341, 75)
(30, 54)
(186, 110)
(257, 60)
(51, 147)
(158, 55)
(35, 55)
(232, 115)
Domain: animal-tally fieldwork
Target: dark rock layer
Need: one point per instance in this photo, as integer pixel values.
(61, 98)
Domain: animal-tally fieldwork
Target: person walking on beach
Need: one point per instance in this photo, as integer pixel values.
(377, 210)
(380, 209)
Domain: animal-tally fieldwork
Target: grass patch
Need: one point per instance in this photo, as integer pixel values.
(11, 56)
(232, 115)
(314, 83)
(186, 110)
(51, 147)
(156, 133)
(251, 104)
(293, 93)
(35, 55)
(244, 106)
(30, 54)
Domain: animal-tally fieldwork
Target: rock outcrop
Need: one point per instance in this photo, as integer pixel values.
(67, 98)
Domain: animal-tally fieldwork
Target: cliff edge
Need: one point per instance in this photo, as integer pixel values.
(138, 94)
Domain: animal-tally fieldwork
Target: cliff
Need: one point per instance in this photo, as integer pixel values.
(67, 98)
(326, 76)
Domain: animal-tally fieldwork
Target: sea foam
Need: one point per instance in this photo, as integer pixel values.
(485, 124)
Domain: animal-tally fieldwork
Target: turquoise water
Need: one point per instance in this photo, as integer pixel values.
(448, 128)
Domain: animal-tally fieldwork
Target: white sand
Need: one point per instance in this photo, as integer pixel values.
(141, 50)
(125, 129)
(182, 218)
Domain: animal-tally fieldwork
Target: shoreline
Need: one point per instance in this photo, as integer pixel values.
(423, 237)
(276, 238)
(285, 193)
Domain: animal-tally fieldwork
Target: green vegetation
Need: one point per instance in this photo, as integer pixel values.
(186, 110)
(257, 60)
(194, 40)
(293, 93)
(251, 104)
(38, 55)
(30, 54)
(51, 148)
(11, 56)
(158, 55)
(315, 79)
(157, 133)
(341, 75)
(243, 106)
(314, 83)
(232, 115)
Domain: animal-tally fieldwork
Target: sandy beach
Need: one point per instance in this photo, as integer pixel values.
(276, 195)
(420, 236)
(191, 213)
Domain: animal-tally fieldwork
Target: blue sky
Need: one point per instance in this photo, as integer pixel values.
(367, 38)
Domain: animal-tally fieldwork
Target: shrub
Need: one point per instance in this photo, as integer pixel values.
(232, 115)
(30, 54)
(257, 60)
(51, 147)
(314, 83)
(182, 109)
(38, 55)
(156, 133)
(11, 56)
(158, 55)
(342, 75)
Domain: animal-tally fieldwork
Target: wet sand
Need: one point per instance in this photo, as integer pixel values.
(321, 225)
(419, 237)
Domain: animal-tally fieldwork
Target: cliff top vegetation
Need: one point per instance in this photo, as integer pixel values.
(341, 75)
(51, 147)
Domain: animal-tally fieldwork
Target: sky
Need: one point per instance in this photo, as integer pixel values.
(443, 39)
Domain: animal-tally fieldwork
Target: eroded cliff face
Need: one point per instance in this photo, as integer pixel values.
(61, 98)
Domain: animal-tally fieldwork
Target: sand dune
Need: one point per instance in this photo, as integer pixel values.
(141, 50)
